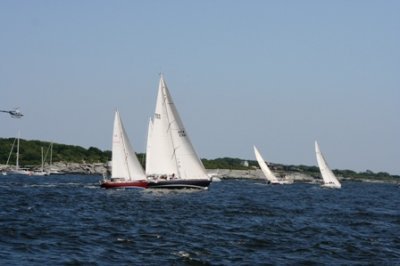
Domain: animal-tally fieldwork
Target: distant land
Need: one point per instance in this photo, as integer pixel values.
(93, 161)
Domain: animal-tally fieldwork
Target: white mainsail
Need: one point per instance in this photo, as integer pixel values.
(160, 155)
(169, 150)
(328, 176)
(264, 167)
(124, 163)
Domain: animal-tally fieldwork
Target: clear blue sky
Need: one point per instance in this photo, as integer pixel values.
(277, 74)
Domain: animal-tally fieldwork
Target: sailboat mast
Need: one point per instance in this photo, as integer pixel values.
(42, 159)
(51, 154)
(11, 151)
(17, 162)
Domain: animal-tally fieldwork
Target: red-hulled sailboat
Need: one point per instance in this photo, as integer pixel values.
(126, 170)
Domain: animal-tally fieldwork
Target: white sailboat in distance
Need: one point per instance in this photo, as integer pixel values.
(171, 161)
(329, 178)
(41, 172)
(18, 170)
(126, 170)
(269, 175)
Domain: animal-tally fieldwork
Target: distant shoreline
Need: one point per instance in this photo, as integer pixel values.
(254, 174)
(63, 155)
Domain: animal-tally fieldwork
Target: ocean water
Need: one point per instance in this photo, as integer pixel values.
(69, 220)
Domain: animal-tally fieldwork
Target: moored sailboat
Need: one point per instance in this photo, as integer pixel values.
(329, 178)
(126, 170)
(171, 161)
(51, 169)
(17, 170)
(41, 172)
(269, 175)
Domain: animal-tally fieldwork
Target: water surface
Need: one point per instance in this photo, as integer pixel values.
(64, 220)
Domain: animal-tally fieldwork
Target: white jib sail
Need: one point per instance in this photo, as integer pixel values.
(149, 152)
(124, 162)
(327, 175)
(264, 167)
(170, 143)
(160, 155)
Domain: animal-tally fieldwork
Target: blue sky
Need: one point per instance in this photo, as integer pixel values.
(277, 74)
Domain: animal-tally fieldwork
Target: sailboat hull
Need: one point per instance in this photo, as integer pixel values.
(180, 184)
(124, 184)
(19, 172)
(331, 185)
(281, 182)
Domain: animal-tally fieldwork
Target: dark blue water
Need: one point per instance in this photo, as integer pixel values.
(69, 220)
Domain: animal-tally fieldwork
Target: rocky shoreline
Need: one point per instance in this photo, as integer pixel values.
(257, 174)
(69, 168)
(100, 168)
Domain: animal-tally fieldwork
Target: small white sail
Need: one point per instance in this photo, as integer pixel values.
(169, 146)
(328, 176)
(125, 163)
(264, 167)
